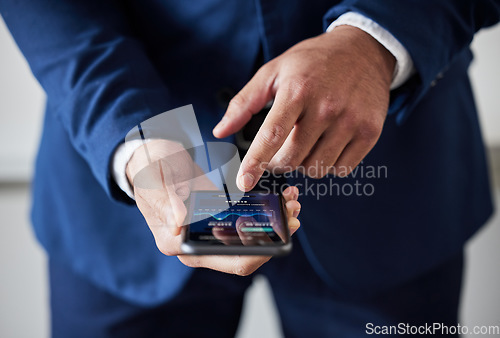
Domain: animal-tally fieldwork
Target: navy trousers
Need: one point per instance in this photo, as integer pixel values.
(210, 304)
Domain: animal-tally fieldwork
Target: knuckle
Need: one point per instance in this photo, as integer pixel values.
(299, 89)
(321, 173)
(287, 162)
(351, 120)
(243, 270)
(342, 170)
(267, 69)
(241, 267)
(329, 109)
(158, 207)
(237, 103)
(315, 170)
(271, 137)
(369, 131)
(255, 164)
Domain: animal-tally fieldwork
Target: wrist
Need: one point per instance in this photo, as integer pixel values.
(149, 153)
(370, 49)
(404, 64)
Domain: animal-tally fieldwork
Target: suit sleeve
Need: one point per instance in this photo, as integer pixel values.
(435, 33)
(98, 79)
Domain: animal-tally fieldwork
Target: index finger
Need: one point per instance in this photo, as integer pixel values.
(269, 139)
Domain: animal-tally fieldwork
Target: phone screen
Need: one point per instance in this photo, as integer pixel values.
(254, 220)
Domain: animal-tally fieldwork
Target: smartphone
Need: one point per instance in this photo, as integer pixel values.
(254, 225)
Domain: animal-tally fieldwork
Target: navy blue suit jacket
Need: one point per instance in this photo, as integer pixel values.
(108, 65)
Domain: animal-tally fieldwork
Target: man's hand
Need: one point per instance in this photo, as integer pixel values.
(163, 175)
(331, 95)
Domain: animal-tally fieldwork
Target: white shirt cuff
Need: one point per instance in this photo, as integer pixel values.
(122, 155)
(404, 64)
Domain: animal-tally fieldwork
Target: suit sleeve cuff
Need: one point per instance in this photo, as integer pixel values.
(404, 64)
(121, 157)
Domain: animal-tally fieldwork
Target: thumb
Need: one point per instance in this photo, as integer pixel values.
(175, 208)
(178, 213)
(249, 101)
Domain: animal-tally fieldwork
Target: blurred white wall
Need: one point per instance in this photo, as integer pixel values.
(485, 73)
(21, 111)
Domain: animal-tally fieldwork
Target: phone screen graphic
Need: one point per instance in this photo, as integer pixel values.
(254, 220)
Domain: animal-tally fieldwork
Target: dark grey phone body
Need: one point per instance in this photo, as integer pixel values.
(254, 225)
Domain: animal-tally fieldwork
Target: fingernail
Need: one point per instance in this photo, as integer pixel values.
(246, 181)
(296, 213)
(217, 127)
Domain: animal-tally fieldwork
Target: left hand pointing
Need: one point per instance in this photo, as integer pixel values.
(331, 95)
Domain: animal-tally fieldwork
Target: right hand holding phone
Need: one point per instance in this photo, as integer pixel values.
(172, 172)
